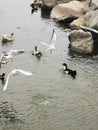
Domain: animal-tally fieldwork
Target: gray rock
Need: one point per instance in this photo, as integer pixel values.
(91, 19)
(48, 3)
(81, 41)
(66, 10)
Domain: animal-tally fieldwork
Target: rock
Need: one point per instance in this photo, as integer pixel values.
(48, 4)
(77, 23)
(94, 35)
(95, 3)
(66, 10)
(91, 19)
(81, 41)
(95, 57)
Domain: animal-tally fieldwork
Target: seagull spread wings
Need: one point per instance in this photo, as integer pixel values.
(7, 56)
(52, 41)
(13, 72)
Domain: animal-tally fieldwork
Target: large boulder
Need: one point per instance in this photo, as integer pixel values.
(67, 10)
(48, 4)
(81, 41)
(95, 2)
(90, 19)
(75, 24)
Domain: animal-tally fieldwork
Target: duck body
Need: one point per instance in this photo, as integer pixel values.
(7, 38)
(36, 52)
(2, 77)
(69, 71)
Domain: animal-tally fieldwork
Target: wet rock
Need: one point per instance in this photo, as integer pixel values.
(90, 19)
(48, 4)
(95, 57)
(66, 10)
(75, 24)
(94, 4)
(81, 41)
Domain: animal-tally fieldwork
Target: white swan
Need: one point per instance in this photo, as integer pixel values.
(7, 38)
(13, 72)
(51, 45)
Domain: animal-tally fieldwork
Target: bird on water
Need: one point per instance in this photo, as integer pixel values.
(14, 72)
(71, 72)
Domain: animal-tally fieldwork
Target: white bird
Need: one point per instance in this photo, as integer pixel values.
(52, 42)
(7, 56)
(13, 72)
(7, 38)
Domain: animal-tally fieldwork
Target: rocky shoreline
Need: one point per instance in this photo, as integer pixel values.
(81, 16)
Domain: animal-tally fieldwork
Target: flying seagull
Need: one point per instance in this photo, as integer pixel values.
(7, 56)
(13, 72)
(51, 42)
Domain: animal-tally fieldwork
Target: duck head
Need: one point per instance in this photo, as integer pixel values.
(2, 77)
(35, 48)
(12, 34)
(65, 66)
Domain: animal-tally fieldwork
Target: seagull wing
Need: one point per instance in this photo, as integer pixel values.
(17, 51)
(43, 43)
(53, 39)
(6, 83)
(1, 57)
(24, 72)
(14, 72)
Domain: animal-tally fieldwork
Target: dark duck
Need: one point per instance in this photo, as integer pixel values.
(2, 78)
(36, 52)
(35, 5)
(69, 71)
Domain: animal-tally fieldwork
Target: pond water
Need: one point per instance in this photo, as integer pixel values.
(49, 99)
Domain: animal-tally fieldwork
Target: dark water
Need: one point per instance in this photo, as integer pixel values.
(48, 100)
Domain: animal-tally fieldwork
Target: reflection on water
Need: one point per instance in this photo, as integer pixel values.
(8, 113)
(50, 99)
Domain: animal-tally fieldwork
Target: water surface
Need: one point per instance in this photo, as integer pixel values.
(50, 99)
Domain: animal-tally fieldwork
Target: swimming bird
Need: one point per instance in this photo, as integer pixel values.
(51, 45)
(69, 71)
(2, 76)
(7, 38)
(36, 52)
(13, 72)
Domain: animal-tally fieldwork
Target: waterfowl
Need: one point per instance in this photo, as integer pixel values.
(34, 7)
(36, 52)
(36, 4)
(7, 56)
(69, 71)
(2, 77)
(51, 45)
(13, 72)
(7, 38)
